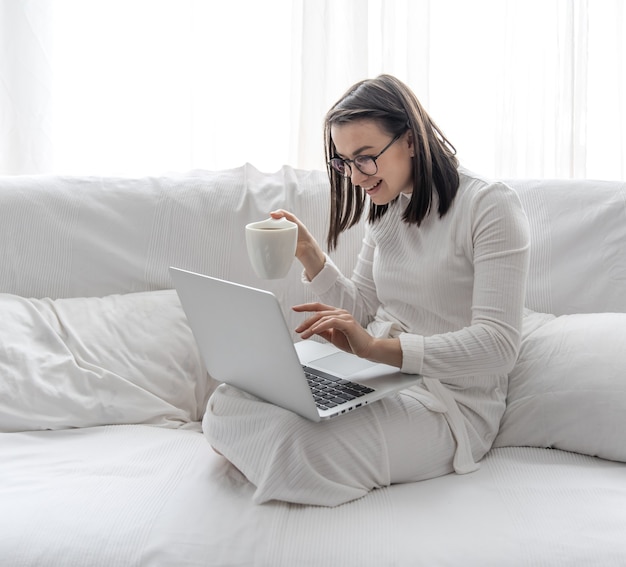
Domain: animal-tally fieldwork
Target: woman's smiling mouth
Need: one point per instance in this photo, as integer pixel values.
(371, 188)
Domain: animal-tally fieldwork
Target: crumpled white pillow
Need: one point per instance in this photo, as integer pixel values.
(82, 362)
(568, 388)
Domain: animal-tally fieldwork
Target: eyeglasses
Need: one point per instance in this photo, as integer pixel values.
(365, 164)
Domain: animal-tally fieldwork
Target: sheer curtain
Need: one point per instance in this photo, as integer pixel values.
(25, 87)
(136, 87)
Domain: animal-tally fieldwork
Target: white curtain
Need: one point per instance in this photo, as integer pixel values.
(143, 87)
(25, 87)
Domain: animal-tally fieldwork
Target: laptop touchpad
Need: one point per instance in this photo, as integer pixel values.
(342, 363)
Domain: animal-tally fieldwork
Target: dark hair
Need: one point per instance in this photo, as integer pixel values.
(391, 104)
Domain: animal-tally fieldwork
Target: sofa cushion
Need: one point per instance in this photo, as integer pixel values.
(568, 388)
(72, 236)
(578, 252)
(95, 361)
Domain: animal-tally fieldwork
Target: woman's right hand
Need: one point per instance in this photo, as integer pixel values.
(308, 251)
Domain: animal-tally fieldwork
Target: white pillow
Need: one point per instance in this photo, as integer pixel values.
(568, 388)
(577, 257)
(82, 362)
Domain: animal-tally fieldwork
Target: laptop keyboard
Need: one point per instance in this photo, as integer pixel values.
(330, 391)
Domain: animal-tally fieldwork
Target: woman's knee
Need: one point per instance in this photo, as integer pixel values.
(291, 458)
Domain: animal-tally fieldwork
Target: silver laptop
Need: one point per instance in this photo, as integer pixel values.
(244, 341)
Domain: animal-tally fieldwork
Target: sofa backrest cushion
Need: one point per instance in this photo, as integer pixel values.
(91, 236)
(87, 236)
(578, 239)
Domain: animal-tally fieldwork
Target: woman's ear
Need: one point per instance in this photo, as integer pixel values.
(409, 142)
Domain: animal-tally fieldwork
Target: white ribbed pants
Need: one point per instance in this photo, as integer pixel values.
(290, 458)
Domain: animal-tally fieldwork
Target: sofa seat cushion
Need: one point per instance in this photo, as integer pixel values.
(83, 362)
(568, 388)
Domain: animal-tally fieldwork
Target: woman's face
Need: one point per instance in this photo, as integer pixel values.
(395, 165)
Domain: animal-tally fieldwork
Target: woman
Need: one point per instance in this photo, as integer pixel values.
(438, 290)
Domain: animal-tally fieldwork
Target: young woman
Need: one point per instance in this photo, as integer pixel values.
(438, 290)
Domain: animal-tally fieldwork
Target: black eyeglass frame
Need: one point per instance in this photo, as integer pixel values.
(347, 162)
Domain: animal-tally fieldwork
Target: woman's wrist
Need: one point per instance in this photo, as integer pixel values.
(386, 351)
(312, 259)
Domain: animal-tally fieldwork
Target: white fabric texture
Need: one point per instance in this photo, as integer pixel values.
(568, 388)
(328, 463)
(138, 495)
(95, 236)
(81, 362)
(578, 257)
(92, 236)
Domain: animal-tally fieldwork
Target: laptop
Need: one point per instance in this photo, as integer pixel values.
(244, 341)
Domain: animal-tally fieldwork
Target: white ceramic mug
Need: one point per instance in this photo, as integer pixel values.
(271, 247)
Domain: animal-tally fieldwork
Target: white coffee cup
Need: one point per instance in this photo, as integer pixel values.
(271, 247)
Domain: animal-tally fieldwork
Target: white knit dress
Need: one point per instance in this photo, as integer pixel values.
(453, 291)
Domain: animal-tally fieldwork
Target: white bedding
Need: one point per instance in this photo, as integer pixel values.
(144, 495)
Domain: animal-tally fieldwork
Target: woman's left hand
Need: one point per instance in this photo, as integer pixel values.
(337, 326)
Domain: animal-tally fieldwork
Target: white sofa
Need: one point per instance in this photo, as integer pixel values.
(102, 389)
